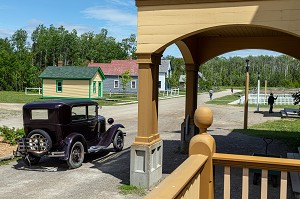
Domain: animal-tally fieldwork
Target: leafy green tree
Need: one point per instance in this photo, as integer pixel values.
(125, 79)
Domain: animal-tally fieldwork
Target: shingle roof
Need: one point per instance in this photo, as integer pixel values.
(70, 72)
(117, 67)
(164, 67)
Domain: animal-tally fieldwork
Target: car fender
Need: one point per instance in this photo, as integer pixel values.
(113, 130)
(69, 140)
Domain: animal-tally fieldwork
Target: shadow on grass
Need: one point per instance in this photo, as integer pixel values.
(291, 139)
(267, 114)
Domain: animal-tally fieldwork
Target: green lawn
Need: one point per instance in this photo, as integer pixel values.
(224, 100)
(20, 97)
(286, 130)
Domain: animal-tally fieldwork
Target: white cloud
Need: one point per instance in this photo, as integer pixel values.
(35, 22)
(116, 16)
(250, 52)
(127, 3)
(4, 32)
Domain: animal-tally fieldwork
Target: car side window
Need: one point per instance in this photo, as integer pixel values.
(79, 113)
(92, 112)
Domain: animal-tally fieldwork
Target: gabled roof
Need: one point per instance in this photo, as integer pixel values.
(70, 72)
(117, 67)
(165, 66)
(182, 78)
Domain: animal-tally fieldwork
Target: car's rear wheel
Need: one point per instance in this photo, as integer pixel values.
(31, 159)
(76, 156)
(118, 141)
(40, 142)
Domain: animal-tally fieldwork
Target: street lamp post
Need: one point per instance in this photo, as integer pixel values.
(258, 90)
(246, 96)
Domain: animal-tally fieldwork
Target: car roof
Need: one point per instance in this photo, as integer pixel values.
(52, 104)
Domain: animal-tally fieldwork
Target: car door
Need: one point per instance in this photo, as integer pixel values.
(92, 123)
(79, 123)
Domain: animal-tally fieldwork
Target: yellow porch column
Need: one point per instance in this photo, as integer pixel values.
(148, 99)
(146, 151)
(188, 128)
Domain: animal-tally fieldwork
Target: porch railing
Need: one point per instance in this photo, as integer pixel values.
(184, 182)
(266, 164)
(193, 179)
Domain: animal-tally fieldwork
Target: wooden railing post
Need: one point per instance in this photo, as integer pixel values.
(204, 144)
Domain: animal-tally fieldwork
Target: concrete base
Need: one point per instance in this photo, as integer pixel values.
(186, 136)
(146, 164)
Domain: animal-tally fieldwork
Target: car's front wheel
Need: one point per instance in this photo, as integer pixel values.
(118, 141)
(76, 156)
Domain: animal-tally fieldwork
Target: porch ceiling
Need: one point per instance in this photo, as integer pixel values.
(242, 31)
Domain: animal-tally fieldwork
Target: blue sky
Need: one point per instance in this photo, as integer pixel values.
(119, 17)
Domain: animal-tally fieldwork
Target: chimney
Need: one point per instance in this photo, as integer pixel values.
(60, 63)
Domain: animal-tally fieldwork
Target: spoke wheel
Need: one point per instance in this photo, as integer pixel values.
(76, 156)
(40, 142)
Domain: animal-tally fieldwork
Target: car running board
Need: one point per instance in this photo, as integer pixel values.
(94, 149)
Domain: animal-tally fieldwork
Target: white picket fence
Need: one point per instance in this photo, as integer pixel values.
(33, 91)
(171, 92)
(283, 99)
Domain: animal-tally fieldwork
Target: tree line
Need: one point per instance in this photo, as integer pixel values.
(23, 58)
(278, 71)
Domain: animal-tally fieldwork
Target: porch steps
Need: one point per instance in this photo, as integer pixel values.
(295, 176)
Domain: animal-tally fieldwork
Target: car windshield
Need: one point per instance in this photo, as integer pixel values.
(92, 111)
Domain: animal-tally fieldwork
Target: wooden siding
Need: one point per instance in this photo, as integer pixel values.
(70, 88)
(159, 26)
(108, 85)
(98, 79)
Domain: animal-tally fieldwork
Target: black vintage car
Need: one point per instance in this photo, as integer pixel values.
(66, 129)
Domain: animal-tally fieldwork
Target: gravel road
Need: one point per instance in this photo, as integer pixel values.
(101, 174)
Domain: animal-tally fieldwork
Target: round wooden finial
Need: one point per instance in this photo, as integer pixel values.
(203, 118)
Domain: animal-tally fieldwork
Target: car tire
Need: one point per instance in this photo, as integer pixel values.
(76, 155)
(31, 160)
(118, 141)
(39, 133)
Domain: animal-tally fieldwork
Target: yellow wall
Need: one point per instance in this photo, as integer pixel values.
(96, 78)
(162, 25)
(70, 88)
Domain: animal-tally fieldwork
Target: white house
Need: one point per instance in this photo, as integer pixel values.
(164, 72)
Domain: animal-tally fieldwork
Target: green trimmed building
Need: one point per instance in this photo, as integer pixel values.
(72, 82)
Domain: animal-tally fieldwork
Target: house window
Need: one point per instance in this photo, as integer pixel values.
(133, 84)
(116, 84)
(94, 86)
(58, 86)
(159, 84)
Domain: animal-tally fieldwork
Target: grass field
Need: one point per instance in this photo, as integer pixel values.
(20, 97)
(286, 130)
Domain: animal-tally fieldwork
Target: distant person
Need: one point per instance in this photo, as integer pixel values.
(231, 90)
(210, 93)
(271, 101)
